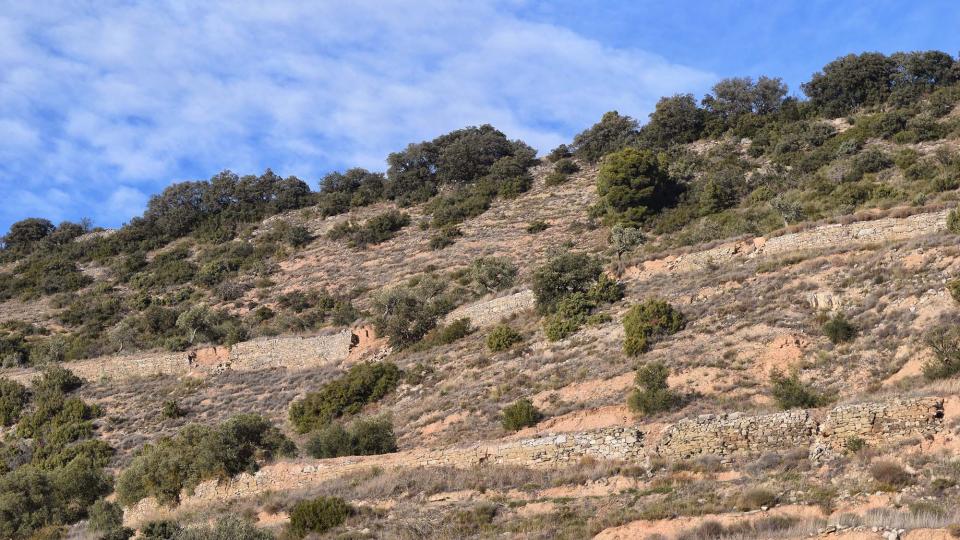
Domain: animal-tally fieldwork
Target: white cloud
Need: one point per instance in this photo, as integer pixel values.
(138, 95)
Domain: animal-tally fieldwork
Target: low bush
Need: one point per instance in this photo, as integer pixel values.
(839, 330)
(375, 230)
(493, 273)
(502, 337)
(445, 237)
(755, 498)
(890, 475)
(364, 437)
(107, 518)
(652, 394)
(405, 313)
(562, 275)
(362, 384)
(537, 226)
(648, 321)
(318, 515)
(172, 464)
(953, 222)
(226, 528)
(519, 415)
(792, 393)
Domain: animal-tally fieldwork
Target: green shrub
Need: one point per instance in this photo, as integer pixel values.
(632, 186)
(647, 321)
(944, 341)
(954, 287)
(519, 415)
(890, 475)
(375, 230)
(171, 409)
(56, 379)
(502, 337)
(172, 464)
(493, 273)
(364, 437)
(562, 275)
(447, 236)
(537, 226)
(839, 330)
(362, 384)
(105, 516)
(13, 399)
(652, 393)
(610, 134)
(456, 330)
(791, 393)
(318, 515)
(160, 530)
(558, 153)
(953, 222)
(566, 166)
(555, 178)
(226, 528)
(571, 313)
(404, 314)
(855, 444)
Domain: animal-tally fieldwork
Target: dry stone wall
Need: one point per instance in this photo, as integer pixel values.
(825, 237)
(288, 352)
(730, 434)
(491, 312)
(727, 435)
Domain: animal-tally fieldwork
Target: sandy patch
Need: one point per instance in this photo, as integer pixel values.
(673, 527)
(612, 415)
(536, 508)
(585, 391)
(783, 353)
(599, 488)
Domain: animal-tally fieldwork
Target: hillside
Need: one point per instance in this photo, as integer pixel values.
(738, 320)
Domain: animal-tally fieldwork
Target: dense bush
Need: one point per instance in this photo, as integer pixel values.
(648, 321)
(792, 393)
(361, 384)
(13, 399)
(375, 230)
(562, 275)
(610, 134)
(172, 464)
(445, 237)
(339, 192)
(652, 393)
(838, 329)
(458, 158)
(519, 415)
(106, 518)
(364, 437)
(674, 120)
(633, 185)
(318, 515)
(502, 337)
(493, 273)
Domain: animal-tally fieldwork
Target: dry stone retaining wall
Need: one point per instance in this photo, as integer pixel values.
(721, 435)
(825, 237)
(491, 312)
(288, 352)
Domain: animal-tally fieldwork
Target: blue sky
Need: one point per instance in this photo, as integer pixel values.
(104, 103)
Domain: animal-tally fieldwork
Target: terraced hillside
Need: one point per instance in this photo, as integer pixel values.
(750, 330)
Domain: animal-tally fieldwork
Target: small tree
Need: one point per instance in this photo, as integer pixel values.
(563, 275)
(652, 393)
(519, 415)
(13, 398)
(624, 238)
(944, 341)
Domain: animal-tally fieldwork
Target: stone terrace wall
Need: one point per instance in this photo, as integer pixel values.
(729, 434)
(721, 435)
(874, 423)
(824, 237)
(288, 352)
(491, 312)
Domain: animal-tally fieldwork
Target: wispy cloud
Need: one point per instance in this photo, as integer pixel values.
(104, 102)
